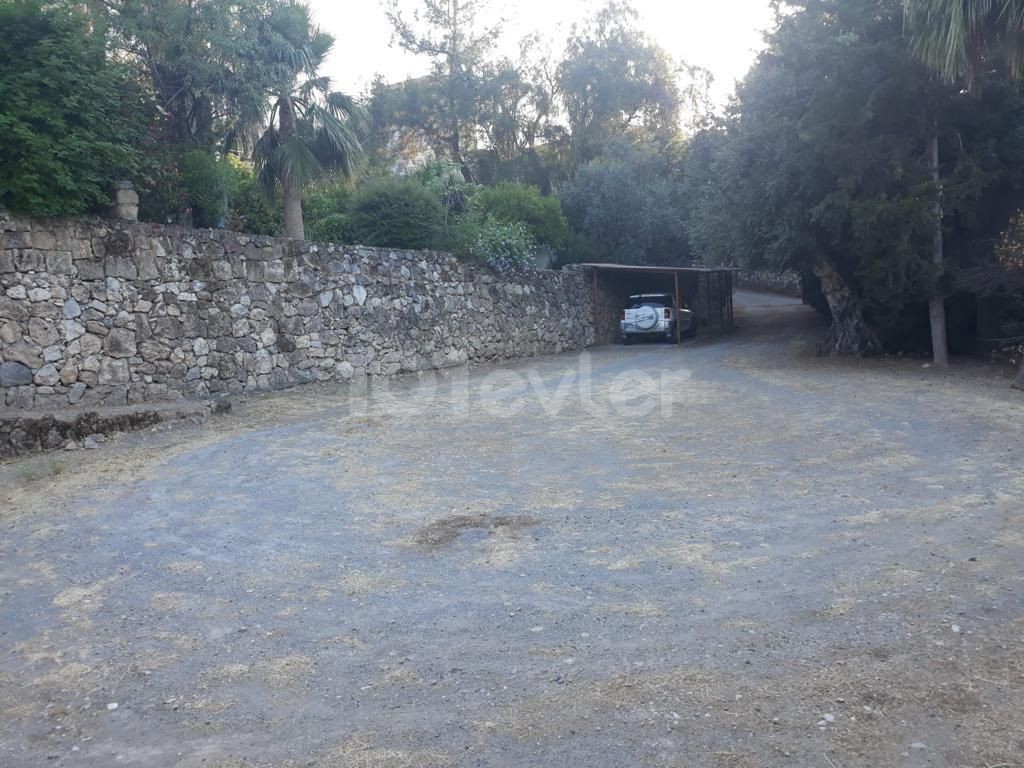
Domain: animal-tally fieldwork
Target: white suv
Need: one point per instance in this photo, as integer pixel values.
(654, 316)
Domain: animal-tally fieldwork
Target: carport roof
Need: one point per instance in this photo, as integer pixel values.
(663, 269)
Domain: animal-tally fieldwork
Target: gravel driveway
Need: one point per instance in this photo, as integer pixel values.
(725, 554)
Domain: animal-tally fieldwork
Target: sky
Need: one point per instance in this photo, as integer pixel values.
(722, 36)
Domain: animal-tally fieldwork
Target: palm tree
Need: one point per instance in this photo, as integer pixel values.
(955, 38)
(311, 130)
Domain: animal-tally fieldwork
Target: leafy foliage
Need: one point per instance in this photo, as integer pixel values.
(447, 181)
(516, 101)
(614, 80)
(205, 182)
(198, 59)
(823, 161)
(630, 201)
(503, 245)
(325, 208)
(62, 146)
(514, 203)
(452, 35)
(536, 117)
(957, 37)
(332, 228)
(396, 213)
(248, 208)
(311, 130)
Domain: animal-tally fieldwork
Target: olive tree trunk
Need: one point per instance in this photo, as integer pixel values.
(849, 333)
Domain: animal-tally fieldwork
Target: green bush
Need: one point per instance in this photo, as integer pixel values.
(396, 213)
(325, 209)
(248, 209)
(445, 179)
(331, 228)
(162, 195)
(630, 200)
(503, 245)
(197, 189)
(70, 117)
(326, 198)
(582, 249)
(511, 203)
(205, 180)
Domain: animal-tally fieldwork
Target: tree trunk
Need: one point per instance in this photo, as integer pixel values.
(454, 73)
(1018, 383)
(936, 304)
(292, 191)
(293, 225)
(849, 334)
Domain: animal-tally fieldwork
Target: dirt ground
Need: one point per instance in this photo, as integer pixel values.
(727, 554)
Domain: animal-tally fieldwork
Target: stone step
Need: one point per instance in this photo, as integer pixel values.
(23, 432)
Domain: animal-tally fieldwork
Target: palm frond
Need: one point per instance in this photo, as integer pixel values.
(313, 86)
(954, 37)
(266, 161)
(328, 127)
(334, 141)
(320, 46)
(296, 163)
(344, 107)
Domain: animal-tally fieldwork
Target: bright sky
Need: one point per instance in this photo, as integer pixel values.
(722, 36)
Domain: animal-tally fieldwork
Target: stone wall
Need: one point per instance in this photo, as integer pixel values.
(784, 283)
(102, 312)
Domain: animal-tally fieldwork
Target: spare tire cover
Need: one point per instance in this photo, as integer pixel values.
(645, 317)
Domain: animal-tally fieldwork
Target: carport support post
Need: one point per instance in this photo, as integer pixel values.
(679, 333)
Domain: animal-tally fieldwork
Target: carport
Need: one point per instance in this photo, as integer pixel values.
(707, 291)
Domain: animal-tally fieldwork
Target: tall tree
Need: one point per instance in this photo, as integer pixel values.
(454, 36)
(71, 118)
(311, 130)
(519, 116)
(629, 200)
(407, 123)
(956, 38)
(614, 80)
(823, 166)
(1002, 278)
(195, 54)
(517, 101)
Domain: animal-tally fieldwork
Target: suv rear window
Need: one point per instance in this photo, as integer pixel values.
(651, 301)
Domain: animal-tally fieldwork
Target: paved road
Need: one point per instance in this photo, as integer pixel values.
(725, 554)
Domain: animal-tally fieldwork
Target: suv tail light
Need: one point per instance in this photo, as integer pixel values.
(668, 313)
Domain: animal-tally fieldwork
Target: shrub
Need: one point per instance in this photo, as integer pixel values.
(446, 180)
(248, 209)
(396, 213)
(542, 216)
(162, 195)
(580, 248)
(501, 244)
(69, 117)
(325, 209)
(325, 198)
(331, 228)
(205, 181)
(630, 201)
